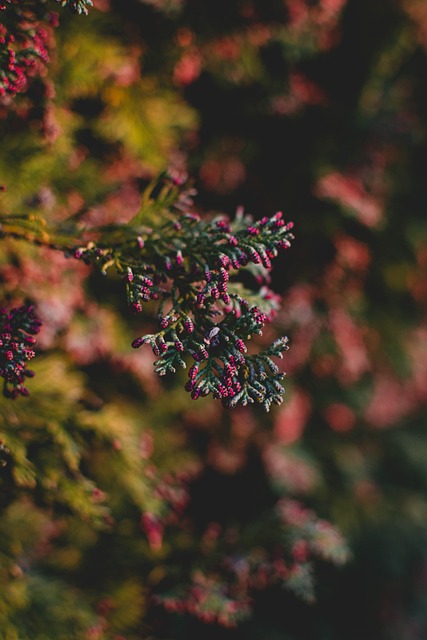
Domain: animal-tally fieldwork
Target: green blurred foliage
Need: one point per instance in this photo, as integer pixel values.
(316, 107)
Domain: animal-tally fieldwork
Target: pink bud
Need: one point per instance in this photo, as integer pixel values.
(153, 529)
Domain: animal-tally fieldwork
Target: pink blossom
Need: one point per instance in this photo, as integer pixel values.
(292, 417)
(351, 253)
(391, 400)
(288, 471)
(349, 192)
(339, 417)
(350, 341)
(153, 529)
(188, 68)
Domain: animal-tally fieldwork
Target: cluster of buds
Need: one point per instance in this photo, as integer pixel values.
(21, 57)
(224, 594)
(320, 538)
(187, 269)
(169, 499)
(257, 242)
(24, 35)
(17, 330)
(140, 289)
(209, 599)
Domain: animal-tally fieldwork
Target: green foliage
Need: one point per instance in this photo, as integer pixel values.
(127, 509)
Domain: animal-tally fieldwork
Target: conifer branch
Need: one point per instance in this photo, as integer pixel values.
(189, 269)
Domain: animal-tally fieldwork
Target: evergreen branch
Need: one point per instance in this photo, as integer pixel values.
(17, 330)
(183, 264)
(76, 6)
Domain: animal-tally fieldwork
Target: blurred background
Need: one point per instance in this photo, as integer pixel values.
(317, 108)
